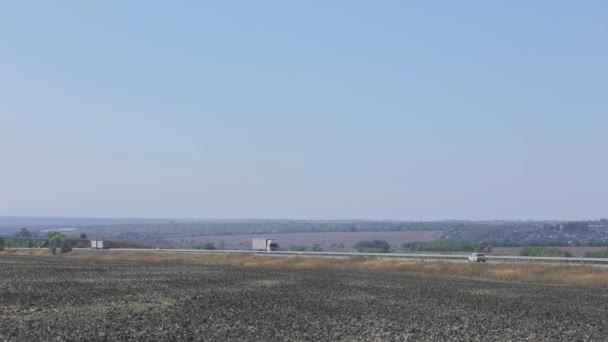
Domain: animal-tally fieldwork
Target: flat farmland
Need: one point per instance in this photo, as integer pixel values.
(71, 299)
(324, 239)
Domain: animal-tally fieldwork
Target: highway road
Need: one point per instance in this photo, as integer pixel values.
(411, 256)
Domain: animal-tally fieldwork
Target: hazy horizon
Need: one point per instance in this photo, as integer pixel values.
(410, 111)
(8, 218)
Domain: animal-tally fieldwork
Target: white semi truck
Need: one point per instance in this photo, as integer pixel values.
(264, 244)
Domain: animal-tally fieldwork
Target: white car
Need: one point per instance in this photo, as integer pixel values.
(478, 257)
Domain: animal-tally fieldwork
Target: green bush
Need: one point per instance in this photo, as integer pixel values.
(376, 246)
(206, 246)
(447, 246)
(301, 248)
(544, 252)
(65, 246)
(59, 241)
(80, 243)
(2, 243)
(54, 243)
(603, 254)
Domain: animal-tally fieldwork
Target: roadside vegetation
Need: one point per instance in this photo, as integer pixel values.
(602, 254)
(209, 246)
(58, 242)
(544, 252)
(376, 246)
(447, 246)
(301, 248)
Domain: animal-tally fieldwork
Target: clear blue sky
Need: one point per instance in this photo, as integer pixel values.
(413, 110)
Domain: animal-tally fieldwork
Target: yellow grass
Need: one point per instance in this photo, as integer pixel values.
(580, 275)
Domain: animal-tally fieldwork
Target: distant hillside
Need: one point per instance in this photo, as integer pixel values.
(168, 231)
(533, 233)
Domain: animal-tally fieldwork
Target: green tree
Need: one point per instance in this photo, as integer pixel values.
(65, 246)
(52, 235)
(24, 232)
(58, 241)
(83, 235)
(206, 246)
(2, 243)
(54, 242)
(376, 246)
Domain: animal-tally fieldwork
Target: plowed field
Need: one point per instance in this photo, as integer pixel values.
(69, 299)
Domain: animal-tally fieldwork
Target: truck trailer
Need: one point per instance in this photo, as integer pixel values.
(100, 244)
(264, 244)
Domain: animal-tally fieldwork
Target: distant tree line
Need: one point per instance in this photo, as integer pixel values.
(544, 252)
(376, 246)
(301, 248)
(447, 246)
(162, 233)
(602, 254)
(498, 233)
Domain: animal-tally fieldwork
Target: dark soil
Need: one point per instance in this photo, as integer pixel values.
(67, 299)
